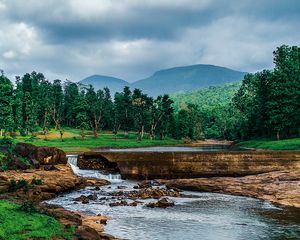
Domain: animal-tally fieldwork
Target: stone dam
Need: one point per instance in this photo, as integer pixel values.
(185, 164)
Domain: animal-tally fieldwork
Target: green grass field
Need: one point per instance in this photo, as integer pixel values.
(16, 224)
(285, 144)
(72, 140)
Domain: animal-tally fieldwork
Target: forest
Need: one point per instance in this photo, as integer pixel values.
(265, 104)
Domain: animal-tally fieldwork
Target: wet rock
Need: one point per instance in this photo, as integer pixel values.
(86, 199)
(97, 188)
(116, 204)
(162, 203)
(121, 187)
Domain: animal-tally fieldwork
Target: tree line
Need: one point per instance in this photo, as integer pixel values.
(35, 104)
(265, 104)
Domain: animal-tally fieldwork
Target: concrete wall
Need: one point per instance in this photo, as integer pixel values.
(168, 165)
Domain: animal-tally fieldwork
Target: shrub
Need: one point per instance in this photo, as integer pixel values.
(28, 207)
(35, 181)
(15, 185)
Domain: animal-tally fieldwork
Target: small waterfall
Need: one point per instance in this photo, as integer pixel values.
(113, 178)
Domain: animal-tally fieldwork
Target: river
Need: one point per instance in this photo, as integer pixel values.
(206, 216)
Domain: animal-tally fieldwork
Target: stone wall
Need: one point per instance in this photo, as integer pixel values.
(170, 165)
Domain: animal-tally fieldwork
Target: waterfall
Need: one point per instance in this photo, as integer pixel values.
(113, 178)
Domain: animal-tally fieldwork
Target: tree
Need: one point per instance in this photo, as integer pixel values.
(6, 99)
(141, 105)
(161, 112)
(95, 109)
(284, 102)
(80, 108)
(71, 95)
(123, 111)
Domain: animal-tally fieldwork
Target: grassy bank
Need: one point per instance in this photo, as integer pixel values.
(16, 224)
(285, 144)
(72, 141)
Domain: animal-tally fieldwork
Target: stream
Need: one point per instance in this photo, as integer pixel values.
(197, 215)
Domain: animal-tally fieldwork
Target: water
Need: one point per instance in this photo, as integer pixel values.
(215, 147)
(206, 216)
(72, 161)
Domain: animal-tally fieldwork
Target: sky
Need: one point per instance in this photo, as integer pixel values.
(131, 39)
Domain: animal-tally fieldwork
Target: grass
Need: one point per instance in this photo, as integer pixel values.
(285, 144)
(16, 224)
(72, 140)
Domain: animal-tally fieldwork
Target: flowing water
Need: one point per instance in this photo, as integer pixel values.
(203, 216)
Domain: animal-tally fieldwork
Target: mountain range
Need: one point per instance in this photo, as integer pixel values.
(177, 79)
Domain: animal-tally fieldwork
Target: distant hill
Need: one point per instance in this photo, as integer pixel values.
(178, 79)
(181, 79)
(208, 97)
(100, 81)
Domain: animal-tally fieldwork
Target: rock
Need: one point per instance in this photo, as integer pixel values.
(121, 203)
(49, 167)
(280, 187)
(17, 163)
(121, 187)
(162, 203)
(87, 233)
(86, 199)
(43, 155)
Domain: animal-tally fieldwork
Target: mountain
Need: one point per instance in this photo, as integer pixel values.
(178, 79)
(100, 81)
(181, 79)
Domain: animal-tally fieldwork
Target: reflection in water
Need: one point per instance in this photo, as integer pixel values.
(205, 216)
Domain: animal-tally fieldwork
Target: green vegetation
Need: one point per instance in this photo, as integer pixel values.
(74, 143)
(264, 105)
(286, 144)
(17, 224)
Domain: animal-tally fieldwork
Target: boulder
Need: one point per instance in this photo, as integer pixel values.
(162, 203)
(43, 155)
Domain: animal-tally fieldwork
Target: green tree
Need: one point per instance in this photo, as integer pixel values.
(6, 99)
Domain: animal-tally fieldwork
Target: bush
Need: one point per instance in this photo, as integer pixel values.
(35, 181)
(28, 207)
(6, 141)
(15, 185)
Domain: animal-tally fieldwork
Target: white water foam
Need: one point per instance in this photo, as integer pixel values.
(113, 178)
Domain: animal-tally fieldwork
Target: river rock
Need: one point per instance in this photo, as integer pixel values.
(44, 155)
(162, 203)
(281, 187)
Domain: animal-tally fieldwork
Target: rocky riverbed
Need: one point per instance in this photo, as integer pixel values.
(279, 187)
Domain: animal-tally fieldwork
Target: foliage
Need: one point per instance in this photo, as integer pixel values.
(19, 224)
(285, 144)
(19, 184)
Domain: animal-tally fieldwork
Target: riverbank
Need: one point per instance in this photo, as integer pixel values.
(279, 187)
(271, 144)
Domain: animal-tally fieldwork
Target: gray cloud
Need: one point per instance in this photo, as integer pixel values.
(131, 38)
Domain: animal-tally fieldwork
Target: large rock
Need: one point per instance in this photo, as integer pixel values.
(281, 187)
(43, 155)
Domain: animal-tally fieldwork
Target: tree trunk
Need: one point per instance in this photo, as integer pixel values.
(278, 135)
(126, 134)
(82, 134)
(95, 132)
(142, 133)
(1, 132)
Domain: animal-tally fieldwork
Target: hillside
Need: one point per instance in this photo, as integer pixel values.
(207, 97)
(178, 79)
(100, 81)
(181, 79)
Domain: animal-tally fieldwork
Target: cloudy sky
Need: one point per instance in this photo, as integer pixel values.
(131, 39)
